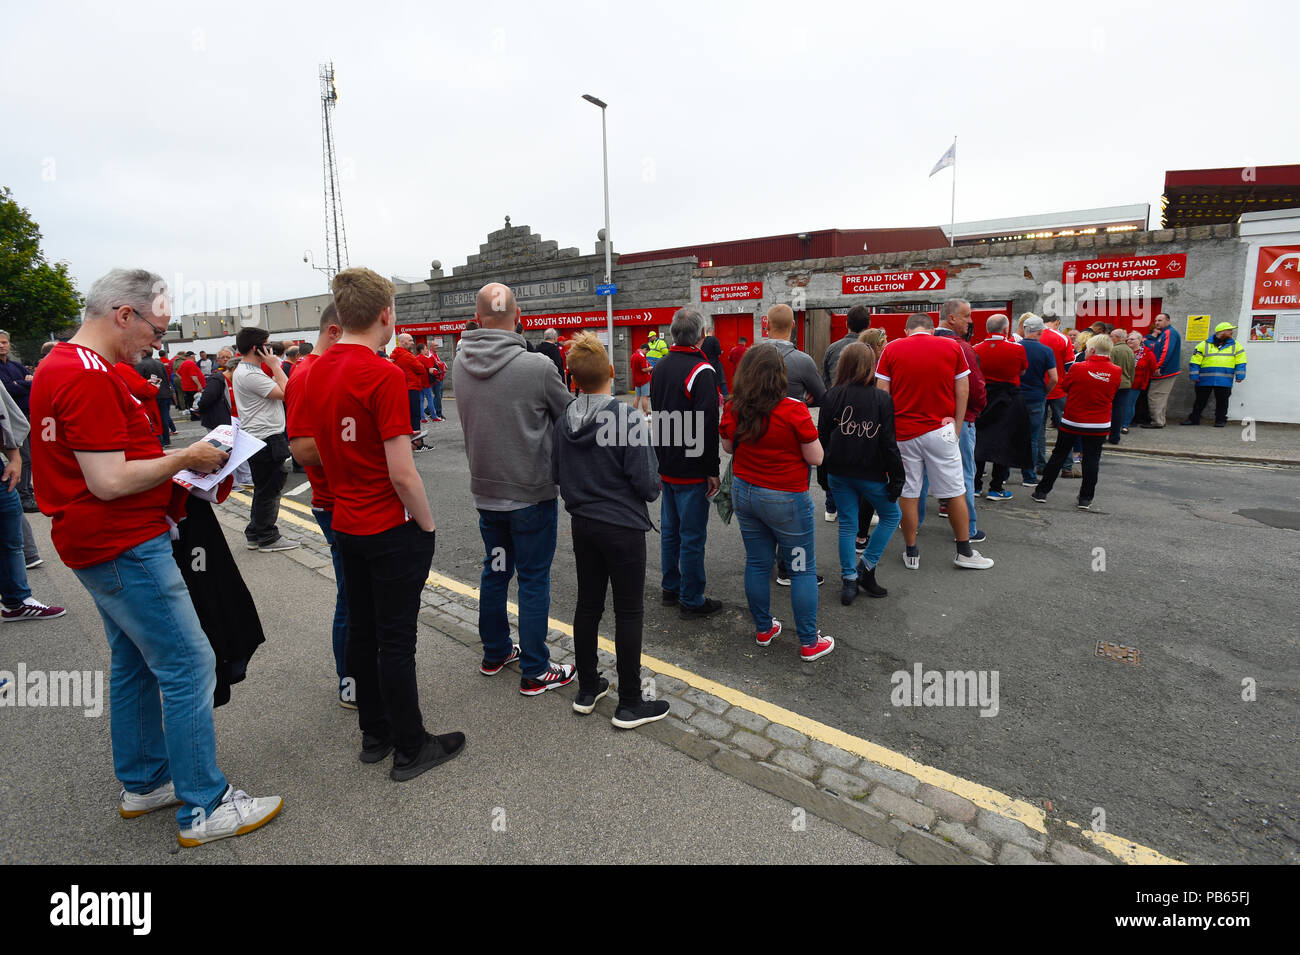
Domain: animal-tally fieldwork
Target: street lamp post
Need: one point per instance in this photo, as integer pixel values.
(609, 271)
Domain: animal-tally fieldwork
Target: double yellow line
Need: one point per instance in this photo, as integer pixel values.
(982, 796)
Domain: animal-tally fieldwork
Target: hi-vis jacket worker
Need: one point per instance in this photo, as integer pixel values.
(658, 348)
(1214, 365)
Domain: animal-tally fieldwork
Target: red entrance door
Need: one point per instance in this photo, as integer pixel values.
(728, 329)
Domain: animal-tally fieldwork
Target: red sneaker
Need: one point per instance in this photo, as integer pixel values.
(554, 678)
(31, 609)
(764, 638)
(823, 646)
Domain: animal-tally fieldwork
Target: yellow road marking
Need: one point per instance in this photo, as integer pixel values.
(983, 796)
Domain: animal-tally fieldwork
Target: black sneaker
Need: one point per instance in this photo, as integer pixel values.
(435, 751)
(647, 711)
(670, 598)
(709, 607)
(586, 700)
(1038, 498)
(373, 749)
(1083, 505)
(491, 668)
(556, 676)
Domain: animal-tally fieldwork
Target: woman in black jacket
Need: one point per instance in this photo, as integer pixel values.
(856, 427)
(213, 406)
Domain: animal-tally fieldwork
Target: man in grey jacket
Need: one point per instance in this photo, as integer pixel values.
(509, 400)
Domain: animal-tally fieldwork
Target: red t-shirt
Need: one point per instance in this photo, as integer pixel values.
(736, 354)
(191, 378)
(774, 460)
(640, 368)
(145, 392)
(79, 403)
(358, 401)
(1001, 360)
(922, 371)
(297, 408)
(1064, 352)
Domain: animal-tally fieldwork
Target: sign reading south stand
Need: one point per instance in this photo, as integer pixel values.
(729, 293)
(1126, 268)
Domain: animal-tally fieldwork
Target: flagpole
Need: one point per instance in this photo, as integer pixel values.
(952, 228)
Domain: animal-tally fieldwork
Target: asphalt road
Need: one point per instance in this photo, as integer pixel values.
(536, 784)
(1167, 749)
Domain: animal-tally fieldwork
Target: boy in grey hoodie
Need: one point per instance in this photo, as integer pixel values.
(607, 470)
(508, 400)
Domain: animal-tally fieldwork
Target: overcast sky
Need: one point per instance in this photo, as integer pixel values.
(187, 139)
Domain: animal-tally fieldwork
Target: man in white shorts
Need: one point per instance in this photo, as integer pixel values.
(927, 378)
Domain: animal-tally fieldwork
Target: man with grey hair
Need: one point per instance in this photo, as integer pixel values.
(1038, 378)
(106, 485)
(508, 402)
(1002, 430)
(955, 323)
(551, 350)
(684, 390)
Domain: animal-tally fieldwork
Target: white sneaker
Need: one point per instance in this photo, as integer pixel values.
(875, 519)
(975, 561)
(911, 563)
(135, 804)
(831, 517)
(238, 814)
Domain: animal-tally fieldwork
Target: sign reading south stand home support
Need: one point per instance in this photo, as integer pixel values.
(730, 293)
(626, 316)
(874, 283)
(1126, 268)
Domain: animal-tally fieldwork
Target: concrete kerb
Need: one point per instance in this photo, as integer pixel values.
(920, 821)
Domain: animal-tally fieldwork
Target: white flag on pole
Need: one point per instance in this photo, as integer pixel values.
(946, 160)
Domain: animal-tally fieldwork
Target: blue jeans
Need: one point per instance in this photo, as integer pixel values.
(13, 565)
(427, 406)
(1121, 412)
(340, 630)
(684, 526)
(437, 398)
(771, 521)
(966, 442)
(1037, 408)
(158, 649)
(520, 541)
(848, 493)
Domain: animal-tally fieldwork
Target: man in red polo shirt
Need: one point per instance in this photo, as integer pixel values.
(192, 381)
(359, 414)
(1002, 428)
(417, 379)
(106, 484)
(302, 444)
(1090, 387)
(926, 377)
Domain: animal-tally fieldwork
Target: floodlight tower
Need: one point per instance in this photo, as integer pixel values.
(336, 235)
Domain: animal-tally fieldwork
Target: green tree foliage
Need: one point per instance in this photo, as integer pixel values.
(36, 298)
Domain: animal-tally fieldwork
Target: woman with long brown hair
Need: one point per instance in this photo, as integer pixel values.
(861, 465)
(773, 442)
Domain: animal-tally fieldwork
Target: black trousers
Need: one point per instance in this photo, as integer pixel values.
(608, 554)
(267, 467)
(1000, 474)
(1092, 445)
(383, 575)
(25, 492)
(1221, 393)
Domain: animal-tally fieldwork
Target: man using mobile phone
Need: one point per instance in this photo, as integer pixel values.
(260, 400)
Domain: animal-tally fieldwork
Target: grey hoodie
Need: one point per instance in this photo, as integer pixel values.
(605, 462)
(508, 399)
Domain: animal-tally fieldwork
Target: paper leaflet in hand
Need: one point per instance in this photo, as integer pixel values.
(239, 444)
